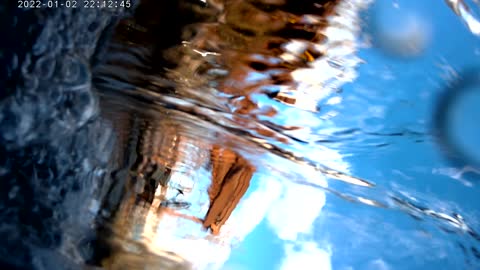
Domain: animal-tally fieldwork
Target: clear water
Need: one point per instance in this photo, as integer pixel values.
(347, 132)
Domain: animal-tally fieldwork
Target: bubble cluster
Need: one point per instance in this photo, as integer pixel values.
(54, 151)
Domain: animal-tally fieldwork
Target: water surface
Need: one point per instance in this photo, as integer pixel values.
(255, 135)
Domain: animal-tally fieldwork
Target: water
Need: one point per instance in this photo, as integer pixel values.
(244, 135)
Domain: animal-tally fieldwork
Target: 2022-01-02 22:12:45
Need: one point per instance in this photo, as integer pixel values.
(32, 4)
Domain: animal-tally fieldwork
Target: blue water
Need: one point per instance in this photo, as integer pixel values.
(396, 125)
(396, 94)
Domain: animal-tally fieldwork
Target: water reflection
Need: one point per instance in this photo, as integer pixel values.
(228, 94)
(238, 97)
(229, 116)
(248, 91)
(466, 13)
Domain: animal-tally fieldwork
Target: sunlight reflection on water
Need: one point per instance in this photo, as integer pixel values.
(216, 119)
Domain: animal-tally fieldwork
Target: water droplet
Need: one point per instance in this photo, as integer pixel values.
(75, 73)
(40, 46)
(26, 65)
(400, 31)
(16, 123)
(45, 66)
(55, 44)
(30, 83)
(77, 108)
(457, 117)
(463, 126)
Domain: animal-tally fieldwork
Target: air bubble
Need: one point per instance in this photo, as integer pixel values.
(75, 73)
(45, 66)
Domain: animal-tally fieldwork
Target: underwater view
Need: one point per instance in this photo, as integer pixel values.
(240, 134)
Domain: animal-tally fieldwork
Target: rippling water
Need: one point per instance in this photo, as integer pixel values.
(260, 134)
